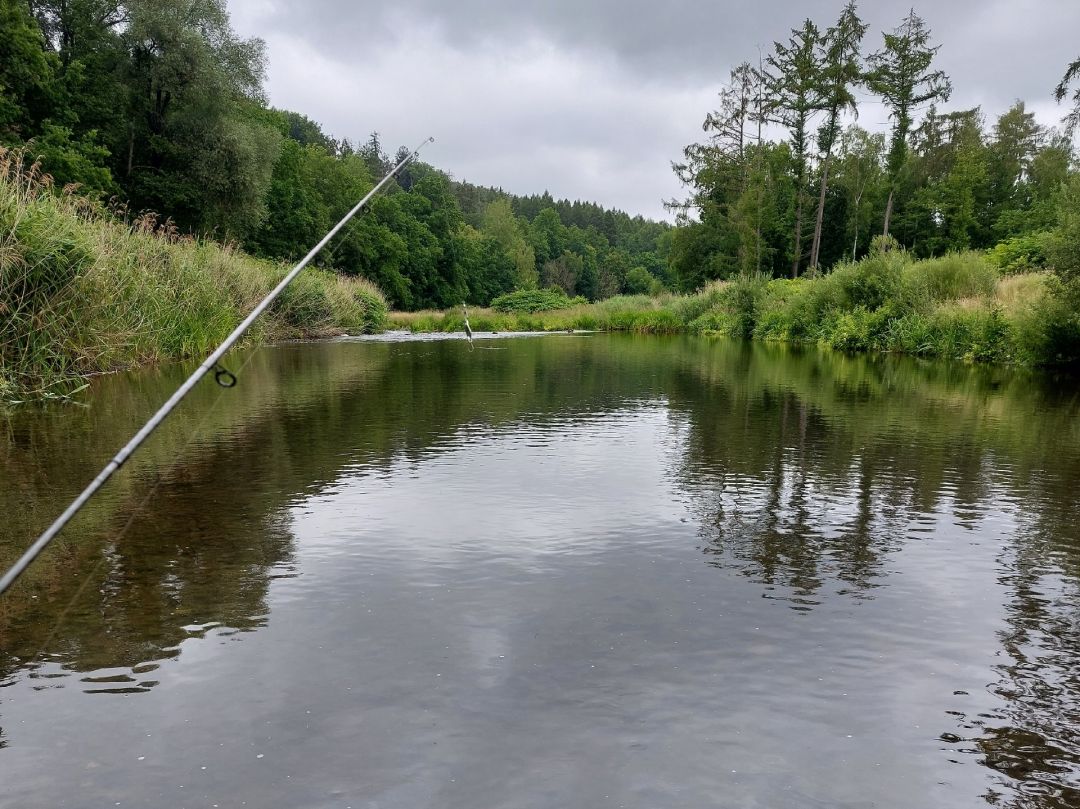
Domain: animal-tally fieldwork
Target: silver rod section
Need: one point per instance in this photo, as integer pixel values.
(128, 450)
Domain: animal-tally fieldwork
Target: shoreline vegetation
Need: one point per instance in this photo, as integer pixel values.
(160, 107)
(85, 293)
(955, 307)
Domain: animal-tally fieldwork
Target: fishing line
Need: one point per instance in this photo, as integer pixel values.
(224, 378)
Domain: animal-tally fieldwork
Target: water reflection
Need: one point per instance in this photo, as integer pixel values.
(505, 548)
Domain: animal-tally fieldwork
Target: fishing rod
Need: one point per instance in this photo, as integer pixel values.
(222, 376)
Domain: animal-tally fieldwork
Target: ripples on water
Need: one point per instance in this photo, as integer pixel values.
(574, 571)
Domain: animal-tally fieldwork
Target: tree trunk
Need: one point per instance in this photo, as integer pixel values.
(888, 214)
(131, 147)
(798, 237)
(815, 251)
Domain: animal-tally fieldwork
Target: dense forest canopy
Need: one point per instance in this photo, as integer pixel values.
(158, 105)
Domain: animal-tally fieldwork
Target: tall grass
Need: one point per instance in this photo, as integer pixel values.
(82, 292)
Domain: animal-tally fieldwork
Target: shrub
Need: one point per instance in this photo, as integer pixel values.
(868, 283)
(640, 281)
(692, 307)
(535, 300)
(1048, 328)
(1021, 254)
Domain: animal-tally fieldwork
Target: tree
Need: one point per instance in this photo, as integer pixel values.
(547, 236)
(1072, 73)
(900, 74)
(950, 169)
(842, 71)
(294, 214)
(725, 174)
(25, 72)
(612, 272)
(860, 174)
(563, 272)
(717, 169)
(198, 147)
(488, 270)
(74, 27)
(500, 224)
(794, 85)
(1015, 143)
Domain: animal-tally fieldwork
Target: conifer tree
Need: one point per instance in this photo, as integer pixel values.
(842, 71)
(900, 73)
(796, 93)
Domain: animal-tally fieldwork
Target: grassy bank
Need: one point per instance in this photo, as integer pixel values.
(959, 306)
(83, 293)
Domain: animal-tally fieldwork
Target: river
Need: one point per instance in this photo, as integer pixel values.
(575, 570)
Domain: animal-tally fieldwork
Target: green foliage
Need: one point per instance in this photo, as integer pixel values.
(1063, 245)
(640, 281)
(953, 307)
(900, 74)
(78, 162)
(535, 300)
(1021, 254)
(25, 72)
(1072, 73)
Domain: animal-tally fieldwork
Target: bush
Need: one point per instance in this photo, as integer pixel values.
(640, 281)
(868, 283)
(1021, 254)
(691, 307)
(535, 300)
(1048, 328)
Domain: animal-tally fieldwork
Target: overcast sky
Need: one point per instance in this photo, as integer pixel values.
(593, 99)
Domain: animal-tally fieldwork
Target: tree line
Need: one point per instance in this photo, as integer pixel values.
(935, 182)
(158, 105)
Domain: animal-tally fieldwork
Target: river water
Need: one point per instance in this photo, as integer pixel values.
(561, 571)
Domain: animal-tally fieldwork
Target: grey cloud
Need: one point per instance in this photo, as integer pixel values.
(594, 99)
(1016, 47)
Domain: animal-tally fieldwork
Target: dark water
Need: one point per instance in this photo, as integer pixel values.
(570, 571)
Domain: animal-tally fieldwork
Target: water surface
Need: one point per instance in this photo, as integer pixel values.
(561, 571)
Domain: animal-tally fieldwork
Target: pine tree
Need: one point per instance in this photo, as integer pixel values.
(900, 73)
(1072, 73)
(794, 81)
(842, 72)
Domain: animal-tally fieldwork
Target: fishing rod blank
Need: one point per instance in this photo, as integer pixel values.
(223, 377)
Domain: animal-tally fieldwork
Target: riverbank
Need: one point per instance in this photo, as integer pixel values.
(956, 307)
(83, 292)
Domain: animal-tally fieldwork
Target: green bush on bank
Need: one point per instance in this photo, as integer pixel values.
(535, 300)
(1021, 254)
